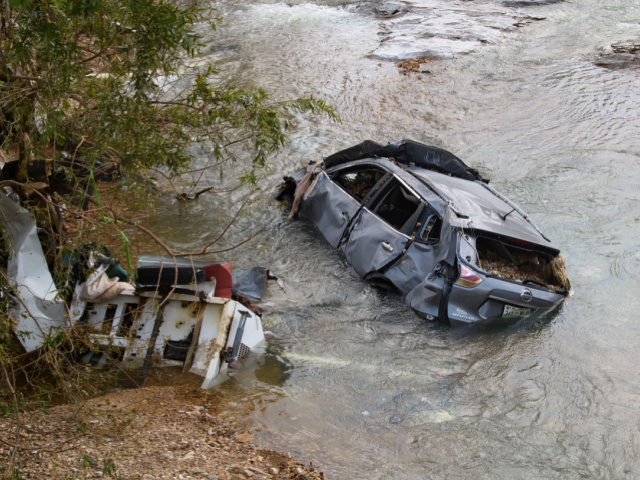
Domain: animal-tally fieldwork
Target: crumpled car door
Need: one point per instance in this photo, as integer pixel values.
(373, 244)
(330, 208)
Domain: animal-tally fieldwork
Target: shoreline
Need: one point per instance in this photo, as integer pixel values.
(149, 432)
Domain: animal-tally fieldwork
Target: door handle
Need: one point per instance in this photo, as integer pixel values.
(344, 216)
(387, 246)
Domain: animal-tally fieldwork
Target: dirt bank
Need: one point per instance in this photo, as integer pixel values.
(153, 432)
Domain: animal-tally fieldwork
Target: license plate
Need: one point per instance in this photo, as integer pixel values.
(511, 311)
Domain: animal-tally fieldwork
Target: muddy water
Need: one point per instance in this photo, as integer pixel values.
(353, 380)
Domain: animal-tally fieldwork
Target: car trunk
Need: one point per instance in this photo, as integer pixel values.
(520, 261)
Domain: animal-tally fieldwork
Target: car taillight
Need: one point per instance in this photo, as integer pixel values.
(467, 278)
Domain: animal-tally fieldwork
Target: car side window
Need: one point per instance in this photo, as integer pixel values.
(399, 207)
(358, 181)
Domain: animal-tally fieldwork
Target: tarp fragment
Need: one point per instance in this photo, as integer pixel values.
(408, 152)
(252, 283)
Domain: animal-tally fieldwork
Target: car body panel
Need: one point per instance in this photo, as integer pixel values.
(330, 208)
(486, 303)
(372, 243)
(411, 269)
(485, 210)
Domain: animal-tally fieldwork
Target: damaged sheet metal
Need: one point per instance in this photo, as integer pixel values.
(252, 283)
(38, 309)
(330, 207)
(416, 219)
(185, 330)
(188, 324)
(373, 244)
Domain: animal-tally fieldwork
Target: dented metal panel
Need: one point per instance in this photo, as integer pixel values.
(411, 269)
(372, 244)
(188, 324)
(330, 208)
(213, 337)
(485, 210)
(38, 310)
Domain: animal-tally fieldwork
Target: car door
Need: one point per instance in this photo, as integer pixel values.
(421, 256)
(380, 232)
(337, 197)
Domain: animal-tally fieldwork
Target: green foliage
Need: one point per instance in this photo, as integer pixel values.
(109, 467)
(87, 461)
(86, 76)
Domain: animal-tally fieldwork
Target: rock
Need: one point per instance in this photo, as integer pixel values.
(189, 455)
(274, 470)
(390, 9)
(257, 470)
(244, 437)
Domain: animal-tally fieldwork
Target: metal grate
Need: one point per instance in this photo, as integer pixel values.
(243, 351)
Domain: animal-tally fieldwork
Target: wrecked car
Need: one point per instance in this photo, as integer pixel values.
(415, 219)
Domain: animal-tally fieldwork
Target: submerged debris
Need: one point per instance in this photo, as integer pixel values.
(413, 65)
(390, 9)
(622, 55)
(553, 274)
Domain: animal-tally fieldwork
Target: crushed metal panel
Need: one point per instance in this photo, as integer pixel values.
(330, 208)
(484, 209)
(372, 243)
(206, 361)
(38, 310)
(193, 333)
(251, 336)
(412, 267)
(425, 297)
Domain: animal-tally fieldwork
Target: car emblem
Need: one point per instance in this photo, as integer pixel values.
(526, 295)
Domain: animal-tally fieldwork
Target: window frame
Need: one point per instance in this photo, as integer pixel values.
(372, 191)
(393, 182)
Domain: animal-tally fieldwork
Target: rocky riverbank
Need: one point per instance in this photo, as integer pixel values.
(152, 432)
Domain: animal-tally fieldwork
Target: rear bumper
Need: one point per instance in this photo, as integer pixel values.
(496, 301)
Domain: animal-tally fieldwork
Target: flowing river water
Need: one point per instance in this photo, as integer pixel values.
(352, 379)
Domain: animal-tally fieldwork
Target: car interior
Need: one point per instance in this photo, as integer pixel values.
(359, 181)
(398, 207)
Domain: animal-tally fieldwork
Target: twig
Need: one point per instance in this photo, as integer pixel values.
(205, 251)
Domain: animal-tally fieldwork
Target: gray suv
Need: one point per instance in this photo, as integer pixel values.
(415, 219)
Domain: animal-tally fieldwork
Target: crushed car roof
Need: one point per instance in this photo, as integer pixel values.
(480, 207)
(431, 170)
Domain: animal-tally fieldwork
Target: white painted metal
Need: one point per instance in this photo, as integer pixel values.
(127, 322)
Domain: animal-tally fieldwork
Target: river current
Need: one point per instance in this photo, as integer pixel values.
(352, 379)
